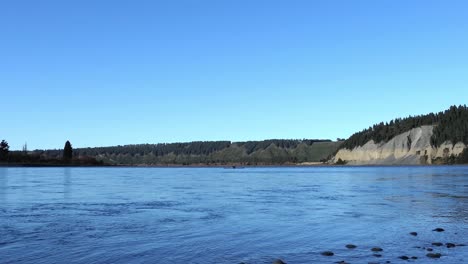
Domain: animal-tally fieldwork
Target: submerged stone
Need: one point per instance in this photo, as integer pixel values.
(413, 257)
(439, 229)
(376, 249)
(433, 255)
(429, 249)
(450, 245)
(404, 257)
(327, 253)
(414, 233)
(377, 255)
(437, 244)
(351, 246)
(279, 261)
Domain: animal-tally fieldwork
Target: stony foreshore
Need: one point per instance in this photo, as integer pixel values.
(428, 250)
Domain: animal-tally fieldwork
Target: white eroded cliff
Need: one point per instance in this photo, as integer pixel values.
(410, 148)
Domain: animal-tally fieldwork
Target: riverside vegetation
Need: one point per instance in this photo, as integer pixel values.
(266, 152)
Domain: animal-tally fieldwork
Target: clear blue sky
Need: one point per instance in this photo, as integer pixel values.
(114, 72)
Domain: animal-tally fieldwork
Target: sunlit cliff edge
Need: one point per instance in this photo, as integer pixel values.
(410, 148)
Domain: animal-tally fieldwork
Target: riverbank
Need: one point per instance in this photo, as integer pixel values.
(233, 167)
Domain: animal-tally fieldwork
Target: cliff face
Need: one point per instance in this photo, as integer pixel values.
(409, 148)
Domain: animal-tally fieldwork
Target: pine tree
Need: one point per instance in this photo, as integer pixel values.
(67, 151)
(25, 148)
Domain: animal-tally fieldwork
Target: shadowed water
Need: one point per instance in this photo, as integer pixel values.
(216, 215)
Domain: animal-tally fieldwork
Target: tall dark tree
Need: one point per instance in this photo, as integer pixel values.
(25, 148)
(67, 151)
(4, 149)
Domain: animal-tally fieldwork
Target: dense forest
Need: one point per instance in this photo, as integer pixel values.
(266, 152)
(450, 125)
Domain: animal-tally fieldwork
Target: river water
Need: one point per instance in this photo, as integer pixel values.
(217, 215)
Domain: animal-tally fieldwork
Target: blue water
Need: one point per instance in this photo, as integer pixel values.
(216, 215)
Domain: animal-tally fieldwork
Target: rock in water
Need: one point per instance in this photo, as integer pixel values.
(351, 246)
(437, 244)
(404, 257)
(279, 261)
(414, 233)
(377, 249)
(433, 255)
(450, 245)
(327, 253)
(439, 229)
(413, 257)
(430, 249)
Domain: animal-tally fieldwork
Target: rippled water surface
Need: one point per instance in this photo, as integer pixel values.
(216, 215)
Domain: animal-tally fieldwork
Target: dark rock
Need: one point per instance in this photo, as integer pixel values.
(439, 229)
(433, 255)
(351, 246)
(450, 245)
(327, 253)
(437, 244)
(341, 262)
(377, 255)
(413, 257)
(414, 233)
(404, 257)
(461, 245)
(279, 261)
(376, 249)
(429, 249)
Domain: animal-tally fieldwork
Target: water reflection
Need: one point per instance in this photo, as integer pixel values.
(3, 184)
(67, 174)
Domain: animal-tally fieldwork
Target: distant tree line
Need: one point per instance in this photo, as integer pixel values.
(274, 151)
(450, 125)
(187, 148)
